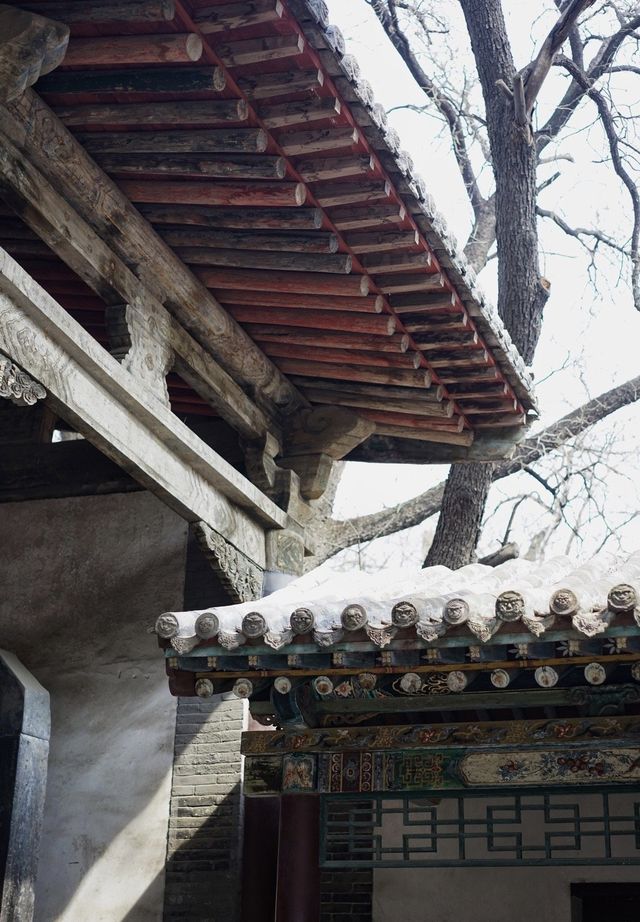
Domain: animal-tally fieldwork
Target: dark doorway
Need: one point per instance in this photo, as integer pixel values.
(595, 902)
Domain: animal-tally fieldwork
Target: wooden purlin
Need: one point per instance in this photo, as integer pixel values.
(327, 84)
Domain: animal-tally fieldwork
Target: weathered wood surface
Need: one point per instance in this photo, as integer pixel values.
(80, 247)
(188, 166)
(30, 45)
(296, 143)
(230, 16)
(346, 218)
(372, 304)
(348, 356)
(25, 728)
(91, 390)
(260, 50)
(106, 11)
(290, 114)
(351, 339)
(282, 83)
(36, 130)
(299, 282)
(226, 193)
(380, 325)
(115, 51)
(315, 170)
(213, 140)
(182, 82)
(251, 240)
(235, 218)
(325, 430)
(136, 114)
(379, 242)
(255, 259)
(408, 378)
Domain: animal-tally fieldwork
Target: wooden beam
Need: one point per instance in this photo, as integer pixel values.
(228, 193)
(285, 219)
(397, 261)
(188, 166)
(282, 83)
(395, 376)
(207, 141)
(328, 339)
(393, 283)
(352, 285)
(434, 302)
(36, 131)
(109, 11)
(250, 240)
(296, 143)
(348, 356)
(425, 434)
(248, 259)
(433, 395)
(333, 432)
(180, 82)
(44, 210)
(381, 325)
(261, 50)
(347, 218)
(132, 115)
(329, 195)
(114, 51)
(382, 242)
(219, 19)
(30, 45)
(340, 398)
(318, 169)
(289, 114)
(94, 393)
(393, 417)
(374, 304)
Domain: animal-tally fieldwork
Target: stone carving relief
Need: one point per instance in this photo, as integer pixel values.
(241, 576)
(17, 386)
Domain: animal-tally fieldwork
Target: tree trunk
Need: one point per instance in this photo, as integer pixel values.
(521, 295)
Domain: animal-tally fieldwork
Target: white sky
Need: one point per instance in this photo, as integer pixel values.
(594, 333)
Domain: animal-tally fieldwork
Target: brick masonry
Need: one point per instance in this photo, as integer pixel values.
(205, 825)
(346, 895)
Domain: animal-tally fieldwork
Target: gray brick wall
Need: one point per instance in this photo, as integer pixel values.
(205, 826)
(346, 895)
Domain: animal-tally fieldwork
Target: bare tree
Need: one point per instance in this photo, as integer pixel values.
(506, 211)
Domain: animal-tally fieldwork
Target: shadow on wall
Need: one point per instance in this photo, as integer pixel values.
(83, 580)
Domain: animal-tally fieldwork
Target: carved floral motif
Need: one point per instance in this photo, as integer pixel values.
(241, 576)
(17, 386)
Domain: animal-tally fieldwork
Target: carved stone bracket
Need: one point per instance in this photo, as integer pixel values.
(30, 45)
(139, 336)
(17, 386)
(240, 575)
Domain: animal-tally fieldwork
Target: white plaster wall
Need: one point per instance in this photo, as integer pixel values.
(508, 894)
(82, 582)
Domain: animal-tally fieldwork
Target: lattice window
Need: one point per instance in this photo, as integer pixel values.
(482, 829)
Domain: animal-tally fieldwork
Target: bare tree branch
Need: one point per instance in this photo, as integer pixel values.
(334, 535)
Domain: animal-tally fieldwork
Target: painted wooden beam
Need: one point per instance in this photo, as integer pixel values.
(114, 51)
(93, 392)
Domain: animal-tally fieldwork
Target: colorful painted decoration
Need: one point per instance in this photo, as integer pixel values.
(546, 676)
(367, 681)
(207, 625)
(500, 678)
(456, 681)
(243, 688)
(282, 684)
(595, 674)
(204, 688)
(323, 685)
